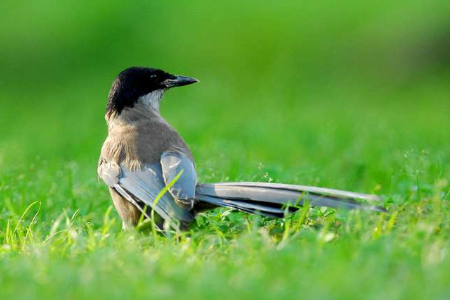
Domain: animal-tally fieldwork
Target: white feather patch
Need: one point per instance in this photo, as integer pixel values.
(152, 99)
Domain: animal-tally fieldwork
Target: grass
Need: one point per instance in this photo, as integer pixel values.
(61, 237)
(311, 108)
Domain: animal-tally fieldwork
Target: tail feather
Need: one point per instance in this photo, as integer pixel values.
(270, 199)
(247, 206)
(303, 189)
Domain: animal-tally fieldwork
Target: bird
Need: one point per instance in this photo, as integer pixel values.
(150, 170)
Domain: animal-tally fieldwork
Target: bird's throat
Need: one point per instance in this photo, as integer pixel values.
(152, 99)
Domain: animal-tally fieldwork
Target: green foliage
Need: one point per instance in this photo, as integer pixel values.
(349, 94)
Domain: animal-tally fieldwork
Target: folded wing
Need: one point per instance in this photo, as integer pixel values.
(141, 187)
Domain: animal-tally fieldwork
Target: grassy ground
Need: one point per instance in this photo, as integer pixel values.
(299, 112)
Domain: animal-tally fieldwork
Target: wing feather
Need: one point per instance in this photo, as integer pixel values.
(172, 164)
(144, 186)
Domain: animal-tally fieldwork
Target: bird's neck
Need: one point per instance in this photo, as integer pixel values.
(152, 99)
(141, 112)
(146, 106)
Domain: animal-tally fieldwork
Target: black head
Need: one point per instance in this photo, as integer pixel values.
(135, 82)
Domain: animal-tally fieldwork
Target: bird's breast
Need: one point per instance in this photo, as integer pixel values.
(141, 142)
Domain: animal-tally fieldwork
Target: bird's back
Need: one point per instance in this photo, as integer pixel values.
(140, 136)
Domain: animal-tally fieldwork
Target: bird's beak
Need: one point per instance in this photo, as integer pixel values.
(179, 81)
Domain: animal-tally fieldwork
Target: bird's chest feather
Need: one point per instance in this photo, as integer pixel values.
(136, 143)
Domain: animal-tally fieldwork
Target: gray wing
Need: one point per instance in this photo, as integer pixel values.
(172, 164)
(142, 187)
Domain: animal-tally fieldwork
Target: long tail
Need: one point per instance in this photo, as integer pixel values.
(272, 199)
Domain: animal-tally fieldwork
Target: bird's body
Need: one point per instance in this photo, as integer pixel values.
(135, 141)
(143, 153)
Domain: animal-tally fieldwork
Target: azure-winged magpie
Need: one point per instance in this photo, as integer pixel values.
(143, 153)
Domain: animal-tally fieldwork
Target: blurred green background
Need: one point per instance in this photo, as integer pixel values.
(262, 63)
(344, 94)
